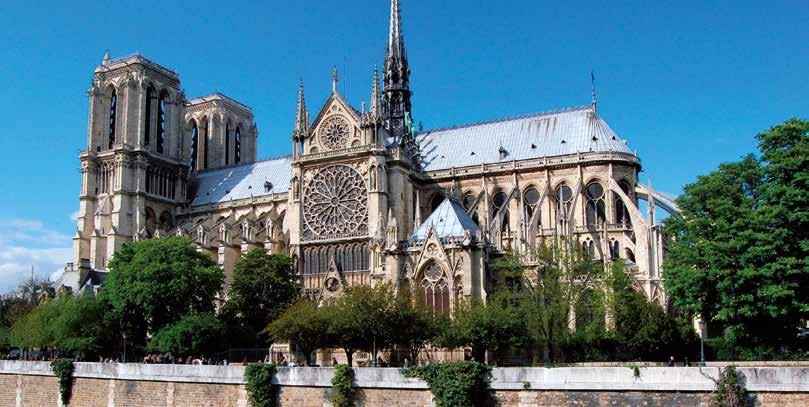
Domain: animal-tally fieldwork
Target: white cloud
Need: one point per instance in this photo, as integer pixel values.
(26, 243)
(74, 216)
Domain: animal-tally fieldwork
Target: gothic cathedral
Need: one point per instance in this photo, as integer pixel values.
(365, 197)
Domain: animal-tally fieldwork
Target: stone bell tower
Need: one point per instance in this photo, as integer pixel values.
(133, 170)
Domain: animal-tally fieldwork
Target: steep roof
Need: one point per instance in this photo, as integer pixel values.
(559, 132)
(243, 181)
(449, 220)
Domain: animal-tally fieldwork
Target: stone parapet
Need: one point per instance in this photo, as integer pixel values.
(668, 379)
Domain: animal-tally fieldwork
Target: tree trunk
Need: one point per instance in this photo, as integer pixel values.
(349, 356)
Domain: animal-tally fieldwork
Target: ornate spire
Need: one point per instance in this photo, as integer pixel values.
(376, 99)
(396, 99)
(301, 121)
(106, 59)
(395, 38)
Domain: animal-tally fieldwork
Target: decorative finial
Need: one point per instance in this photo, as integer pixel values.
(334, 80)
(301, 118)
(375, 95)
(106, 59)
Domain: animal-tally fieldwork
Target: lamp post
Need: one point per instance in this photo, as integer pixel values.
(701, 324)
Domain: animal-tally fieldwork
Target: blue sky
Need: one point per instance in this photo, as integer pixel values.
(687, 84)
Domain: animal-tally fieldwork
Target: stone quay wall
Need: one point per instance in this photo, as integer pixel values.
(128, 385)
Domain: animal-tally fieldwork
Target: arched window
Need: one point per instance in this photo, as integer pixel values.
(227, 144)
(500, 203)
(468, 201)
(147, 122)
(151, 222)
(621, 212)
(614, 250)
(205, 142)
(113, 114)
(531, 201)
(237, 146)
(434, 288)
(161, 122)
(436, 201)
(564, 200)
(595, 213)
(194, 146)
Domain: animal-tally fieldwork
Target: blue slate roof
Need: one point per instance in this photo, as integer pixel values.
(559, 132)
(243, 181)
(449, 220)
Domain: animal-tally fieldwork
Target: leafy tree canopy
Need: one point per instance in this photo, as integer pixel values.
(69, 324)
(263, 286)
(195, 334)
(740, 254)
(303, 325)
(153, 283)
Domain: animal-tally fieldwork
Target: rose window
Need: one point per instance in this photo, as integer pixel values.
(334, 133)
(433, 272)
(335, 204)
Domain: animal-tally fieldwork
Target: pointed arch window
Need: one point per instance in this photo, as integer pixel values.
(531, 200)
(113, 114)
(161, 122)
(194, 146)
(434, 289)
(436, 202)
(205, 145)
(468, 201)
(227, 144)
(621, 211)
(500, 202)
(237, 146)
(595, 212)
(147, 122)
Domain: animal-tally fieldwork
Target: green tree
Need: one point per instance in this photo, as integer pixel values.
(12, 308)
(5, 339)
(302, 325)
(156, 282)
(562, 277)
(412, 324)
(68, 324)
(359, 319)
(740, 254)
(263, 286)
(194, 334)
(643, 329)
(495, 325)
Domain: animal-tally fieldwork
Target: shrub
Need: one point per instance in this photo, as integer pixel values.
(63, 369)
(730, 391)
(455, 384)
(260, 390)
(343, 392)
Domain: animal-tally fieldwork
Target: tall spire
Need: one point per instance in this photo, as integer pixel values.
(301, 122)
(396, 98)
(395, 39)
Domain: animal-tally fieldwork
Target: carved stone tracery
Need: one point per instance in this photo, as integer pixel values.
(334, 133)
(335, 204)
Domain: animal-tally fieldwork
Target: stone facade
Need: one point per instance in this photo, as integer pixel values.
(357, 201)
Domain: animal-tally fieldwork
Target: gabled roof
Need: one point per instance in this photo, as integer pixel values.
(449, 220)
(243, 181)
(554, 133)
